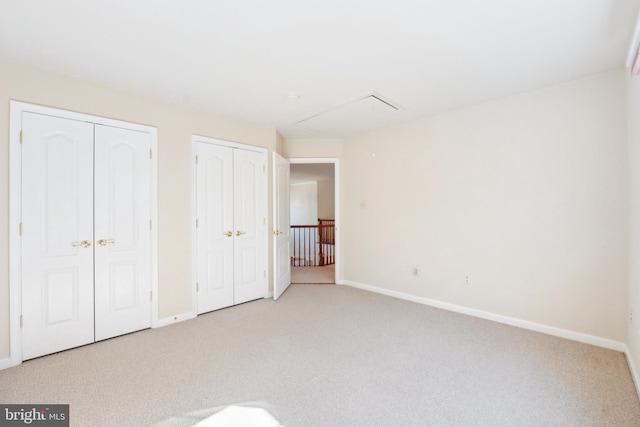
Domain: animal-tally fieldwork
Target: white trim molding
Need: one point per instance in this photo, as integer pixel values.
(337, 209)
(174, 319)
(632, 368)
(512, 321)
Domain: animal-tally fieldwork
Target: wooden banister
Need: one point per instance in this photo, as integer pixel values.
(305, 238)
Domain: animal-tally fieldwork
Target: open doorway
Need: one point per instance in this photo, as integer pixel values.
(313, 207)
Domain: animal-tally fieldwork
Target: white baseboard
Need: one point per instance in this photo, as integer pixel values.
(632, 368)
(5, 363)
(525, 324)
(174, 319)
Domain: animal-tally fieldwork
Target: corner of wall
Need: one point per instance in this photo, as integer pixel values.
(280, 143)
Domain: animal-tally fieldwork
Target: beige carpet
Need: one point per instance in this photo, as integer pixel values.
(334, 356)
(314, 275)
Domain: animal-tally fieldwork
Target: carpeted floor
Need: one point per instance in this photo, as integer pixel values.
(334, 356)
(314, 275)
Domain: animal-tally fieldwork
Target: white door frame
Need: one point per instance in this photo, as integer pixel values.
(15, 210)
(195, 139)
(338, 230)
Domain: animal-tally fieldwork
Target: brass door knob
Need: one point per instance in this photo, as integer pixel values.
(105, 242)
(228, 233)
(240, 233)
(84, 244)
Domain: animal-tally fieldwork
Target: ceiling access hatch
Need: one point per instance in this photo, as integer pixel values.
(370, 112)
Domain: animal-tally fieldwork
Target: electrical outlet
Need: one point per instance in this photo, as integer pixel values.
(467, 279)
(415, 272)
(631, 317)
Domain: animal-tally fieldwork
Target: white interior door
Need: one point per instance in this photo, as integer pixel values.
(281, 227)
(57, 234)
(122, 239)
(250, 222)
(215, 231)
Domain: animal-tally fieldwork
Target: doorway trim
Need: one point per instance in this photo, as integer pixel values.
(336, 175)
(16, 109)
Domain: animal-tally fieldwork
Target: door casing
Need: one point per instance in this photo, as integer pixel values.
(338, 230)
(15, 210)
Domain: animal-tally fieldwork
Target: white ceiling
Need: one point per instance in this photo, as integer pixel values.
(241, 58)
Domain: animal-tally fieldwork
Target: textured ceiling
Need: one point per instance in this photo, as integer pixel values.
(241, 59)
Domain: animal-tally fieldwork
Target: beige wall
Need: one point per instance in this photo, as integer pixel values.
(175, 125)
(633, 102)
(318, 147)
(279, 144)
(526, 194)
(326, 199)
(303, 203)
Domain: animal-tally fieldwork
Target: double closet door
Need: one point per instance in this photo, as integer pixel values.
(86, 239)
(231, 226)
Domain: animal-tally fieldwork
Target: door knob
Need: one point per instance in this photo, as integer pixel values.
(228, 233)
(277, 233)
(84, 244)
(104, 242)
(240, 233)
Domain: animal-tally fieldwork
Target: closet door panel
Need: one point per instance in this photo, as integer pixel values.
(214, 232)
(57, 238)
(250, 223)
(122, 231)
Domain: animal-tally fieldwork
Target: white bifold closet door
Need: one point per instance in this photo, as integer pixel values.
(86, 256)
(57, 235)
(122, 231)
(231, 223)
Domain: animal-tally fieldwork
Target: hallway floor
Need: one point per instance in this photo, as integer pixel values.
(313, 275)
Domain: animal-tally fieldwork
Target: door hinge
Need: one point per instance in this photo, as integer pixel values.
(150, 225)
(264, 168)
(197, 222)
(150, 153)
(197, 287)
(151, 296)
(20, 229)
(264, 221)
(21, 320)
(20, 137)
(196, 160)
(264, 274)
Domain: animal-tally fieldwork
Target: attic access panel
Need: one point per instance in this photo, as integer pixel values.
(368, 113)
